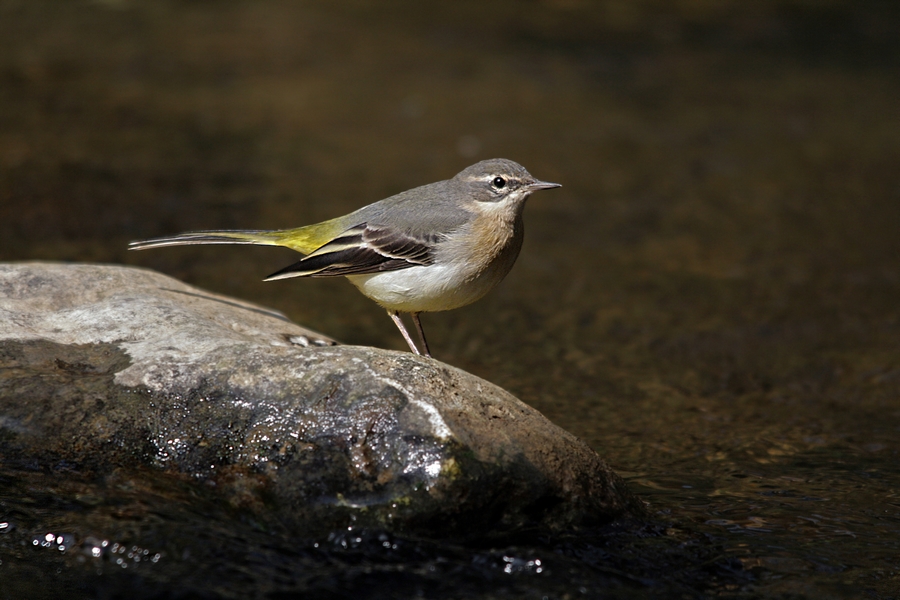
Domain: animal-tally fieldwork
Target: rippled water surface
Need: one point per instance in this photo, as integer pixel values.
(711, 300)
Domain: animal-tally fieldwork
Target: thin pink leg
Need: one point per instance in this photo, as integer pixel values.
(395, 316)
(415, 317)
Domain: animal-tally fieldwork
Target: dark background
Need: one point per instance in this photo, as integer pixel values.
(711, 300)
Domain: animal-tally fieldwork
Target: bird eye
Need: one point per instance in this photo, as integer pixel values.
(498, 183)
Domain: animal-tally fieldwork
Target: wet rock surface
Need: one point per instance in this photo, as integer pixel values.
(117, 369)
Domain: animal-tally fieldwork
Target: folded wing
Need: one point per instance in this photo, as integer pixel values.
(361, 250)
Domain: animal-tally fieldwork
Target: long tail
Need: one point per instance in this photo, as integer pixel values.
(302, 239)
(245, 236)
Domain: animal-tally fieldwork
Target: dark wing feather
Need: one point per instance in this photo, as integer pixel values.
(361, 250)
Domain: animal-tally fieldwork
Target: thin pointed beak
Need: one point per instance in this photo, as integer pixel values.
(543, 185)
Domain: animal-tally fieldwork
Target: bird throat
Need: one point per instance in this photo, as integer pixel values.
(497, 235)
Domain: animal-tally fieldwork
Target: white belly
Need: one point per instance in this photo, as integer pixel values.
(425, 289)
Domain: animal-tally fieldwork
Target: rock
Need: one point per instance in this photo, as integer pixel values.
(116, 368)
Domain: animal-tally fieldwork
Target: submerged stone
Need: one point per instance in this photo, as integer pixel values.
(114, 368)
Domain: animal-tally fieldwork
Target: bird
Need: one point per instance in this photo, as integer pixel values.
(431, 248)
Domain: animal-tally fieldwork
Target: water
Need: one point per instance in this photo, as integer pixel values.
(710, 300)
(165, 539)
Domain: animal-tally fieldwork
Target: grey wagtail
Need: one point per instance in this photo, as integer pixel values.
(431, 248)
